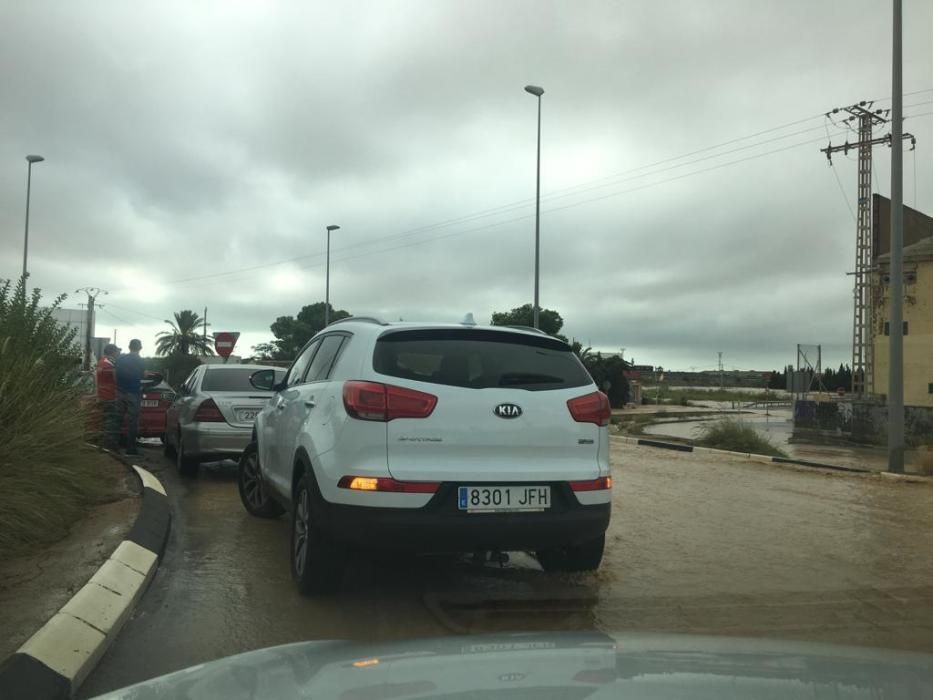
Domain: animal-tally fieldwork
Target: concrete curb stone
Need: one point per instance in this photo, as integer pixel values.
(767, 459)
(53, 663)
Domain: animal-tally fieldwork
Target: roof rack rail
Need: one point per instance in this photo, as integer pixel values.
(527, 328)
(365, 319)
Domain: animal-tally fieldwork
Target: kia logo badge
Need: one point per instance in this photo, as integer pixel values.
(507, 410)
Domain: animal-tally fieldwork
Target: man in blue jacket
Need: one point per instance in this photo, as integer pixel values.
(130, 370)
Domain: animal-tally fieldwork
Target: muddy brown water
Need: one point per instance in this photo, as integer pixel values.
(697, 544)
(777, 425)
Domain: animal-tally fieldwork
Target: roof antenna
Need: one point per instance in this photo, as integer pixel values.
(468, 320)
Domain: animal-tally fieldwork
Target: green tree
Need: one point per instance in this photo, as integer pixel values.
(30, 339)
(778, 380)
(549, 320)
(609, 375)
(185, 336)
(291, 333)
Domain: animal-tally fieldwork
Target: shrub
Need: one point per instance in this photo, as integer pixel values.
(732, 434)
(47, 476)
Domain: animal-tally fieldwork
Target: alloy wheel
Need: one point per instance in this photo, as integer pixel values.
(253, 487)
(302, 531)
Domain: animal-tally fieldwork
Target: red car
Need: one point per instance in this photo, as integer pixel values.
(157, 396)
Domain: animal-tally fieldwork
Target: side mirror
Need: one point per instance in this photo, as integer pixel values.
(264, 380)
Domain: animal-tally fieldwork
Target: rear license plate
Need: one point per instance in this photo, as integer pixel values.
(149, 403)
(497, 499)
(246, 415)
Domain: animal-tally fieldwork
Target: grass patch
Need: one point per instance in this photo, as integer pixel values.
(732, 434)
(44, 497)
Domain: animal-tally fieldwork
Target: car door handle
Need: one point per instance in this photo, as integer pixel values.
(309, 403)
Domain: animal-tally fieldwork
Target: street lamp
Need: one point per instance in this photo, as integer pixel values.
(30, 160)
(332, 227)
(537, 92)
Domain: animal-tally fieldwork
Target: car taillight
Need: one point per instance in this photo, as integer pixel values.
(208, 413)
(384, 402)
(380, 483)
(600, 484)
(591, 408)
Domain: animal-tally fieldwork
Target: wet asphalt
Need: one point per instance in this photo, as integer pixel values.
(698, 544)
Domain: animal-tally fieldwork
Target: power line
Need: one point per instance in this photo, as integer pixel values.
(555, 194)
(138, 313)
(371, 241)
(906, 94)
(101, 307)
(594, 199)
(499, 223)
(836, 174)
(566, 206)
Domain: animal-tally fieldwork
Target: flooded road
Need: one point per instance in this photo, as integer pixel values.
(697, 544)
(777, 424)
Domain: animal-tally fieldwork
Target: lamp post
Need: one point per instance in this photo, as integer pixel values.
(30, 160)
(537, 92)
(332, 227)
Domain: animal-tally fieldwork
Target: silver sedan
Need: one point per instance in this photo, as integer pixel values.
(213, 414)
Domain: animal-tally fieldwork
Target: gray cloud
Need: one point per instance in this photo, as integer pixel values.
(184, 140)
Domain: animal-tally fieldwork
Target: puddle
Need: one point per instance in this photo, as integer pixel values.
(777, 425)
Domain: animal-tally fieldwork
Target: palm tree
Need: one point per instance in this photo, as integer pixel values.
(184, 338)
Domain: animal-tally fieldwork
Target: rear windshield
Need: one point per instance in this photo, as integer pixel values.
(233, 379)
(479, 359)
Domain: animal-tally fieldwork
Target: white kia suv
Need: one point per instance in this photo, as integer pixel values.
(432, 439)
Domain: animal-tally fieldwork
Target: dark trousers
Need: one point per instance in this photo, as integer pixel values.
(129, 407)
(110, 423)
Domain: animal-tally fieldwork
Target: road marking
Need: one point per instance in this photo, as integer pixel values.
(149, 481)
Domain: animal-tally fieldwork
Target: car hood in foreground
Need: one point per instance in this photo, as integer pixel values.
(533, 666)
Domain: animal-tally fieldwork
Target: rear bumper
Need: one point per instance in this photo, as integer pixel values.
(440, 527)
(151, 425)
(215, 439)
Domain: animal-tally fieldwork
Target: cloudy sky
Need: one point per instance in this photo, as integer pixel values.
(196, 151)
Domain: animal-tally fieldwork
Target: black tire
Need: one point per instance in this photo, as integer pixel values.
(187, 465)
(585, 556)
(253, 493)
(316, 563)
(162, 438)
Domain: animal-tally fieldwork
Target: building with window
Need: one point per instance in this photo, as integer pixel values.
(918, 323)
(74, 318)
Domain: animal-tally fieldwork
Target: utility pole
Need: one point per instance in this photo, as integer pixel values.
(896, 364)
(92, 293)
(205, 323)
(721, 382)
(862, 117)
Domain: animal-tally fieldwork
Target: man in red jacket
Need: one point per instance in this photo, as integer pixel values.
(107, 396)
